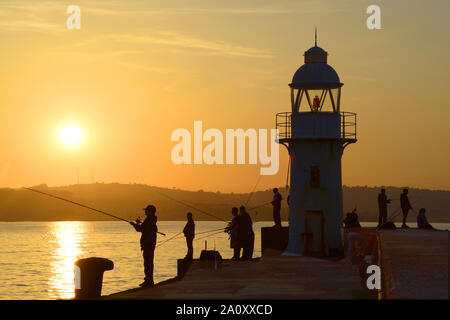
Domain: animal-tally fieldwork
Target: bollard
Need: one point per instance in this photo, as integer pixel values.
(210, 259)
(89, 277)
(274, 240)
(183, 266)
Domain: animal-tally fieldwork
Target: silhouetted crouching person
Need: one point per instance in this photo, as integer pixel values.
(149, 230)
(422, 222)
(246, 235)
(276, 203)
(189, 233)
(232, 230)
(382, 206)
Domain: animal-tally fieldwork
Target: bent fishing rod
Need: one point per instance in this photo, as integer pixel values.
(81, 205)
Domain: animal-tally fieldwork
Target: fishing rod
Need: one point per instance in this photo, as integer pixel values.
(197, 233)
(190, 206)
(288, 170)
(81, 205)
(160, 244)
(253, 190)
(395, 214)
(262, 205)
(208, 235)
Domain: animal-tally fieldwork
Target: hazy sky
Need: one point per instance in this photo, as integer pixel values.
(138, 70)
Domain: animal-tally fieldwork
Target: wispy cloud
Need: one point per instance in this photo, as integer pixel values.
(171, 39)
(190, 42)
(29, 16)
(359, 78)
(184, 11)
(30, 25)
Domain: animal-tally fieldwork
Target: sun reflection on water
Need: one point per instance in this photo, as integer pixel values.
(68, 243)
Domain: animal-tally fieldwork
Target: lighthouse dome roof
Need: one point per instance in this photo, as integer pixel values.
(315, 75)
(316, 55)
(316, 50)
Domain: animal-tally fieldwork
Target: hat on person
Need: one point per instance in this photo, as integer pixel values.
(149, 208)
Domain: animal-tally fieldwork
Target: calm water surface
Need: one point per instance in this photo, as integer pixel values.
(37, 258)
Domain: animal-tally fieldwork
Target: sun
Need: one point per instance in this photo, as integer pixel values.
(70, 135)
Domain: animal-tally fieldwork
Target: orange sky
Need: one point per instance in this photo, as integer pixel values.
(137, 70)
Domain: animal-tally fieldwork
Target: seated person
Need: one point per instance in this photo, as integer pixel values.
(422, 222)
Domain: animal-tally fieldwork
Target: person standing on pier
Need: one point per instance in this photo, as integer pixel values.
(382, 206)
(189, 233)
(246, 235)
(276, 203)
(149, 230)
(406, 206)
(232, 230)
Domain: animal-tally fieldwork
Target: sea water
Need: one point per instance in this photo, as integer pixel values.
(37, 258)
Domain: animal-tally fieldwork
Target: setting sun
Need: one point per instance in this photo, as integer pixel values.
(70, 135)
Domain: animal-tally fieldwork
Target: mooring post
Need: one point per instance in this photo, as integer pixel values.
(89, 277)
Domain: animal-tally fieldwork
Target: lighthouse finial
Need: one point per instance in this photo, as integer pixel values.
(315, 42)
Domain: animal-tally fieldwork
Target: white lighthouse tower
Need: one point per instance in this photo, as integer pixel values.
(316, 133)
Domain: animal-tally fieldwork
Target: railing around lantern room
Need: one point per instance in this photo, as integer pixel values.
(347, 132)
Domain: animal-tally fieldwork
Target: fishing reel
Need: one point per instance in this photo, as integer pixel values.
(138, 220)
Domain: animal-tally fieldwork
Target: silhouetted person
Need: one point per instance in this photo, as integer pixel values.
(382, 206)
(276, 203)
(316, 103)
(422, 222)
(189, 233)
(149, 230)
(352, 228)
(233, 229)
(405, 205)
(246, 236)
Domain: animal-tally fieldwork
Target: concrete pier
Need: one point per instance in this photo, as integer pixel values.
(274, 277)
(414, 264)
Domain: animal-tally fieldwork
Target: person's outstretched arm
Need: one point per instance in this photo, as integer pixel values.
(137, 227)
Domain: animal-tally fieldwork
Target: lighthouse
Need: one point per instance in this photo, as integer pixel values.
(315, 133)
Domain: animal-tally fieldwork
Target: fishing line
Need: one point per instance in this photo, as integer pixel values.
(262, 205)
(209, 235)
(190, 206)
(253, 190)
(197, 233)
(81, 205)
(395, 214)
(160, 244)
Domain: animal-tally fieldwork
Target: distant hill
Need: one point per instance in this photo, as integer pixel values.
(127, 201)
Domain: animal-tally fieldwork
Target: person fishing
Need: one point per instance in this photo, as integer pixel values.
(232, 230)
(276, 203)
(189, 233)
(383, 201)
(405, 205)
(149, 231)
(246, 236)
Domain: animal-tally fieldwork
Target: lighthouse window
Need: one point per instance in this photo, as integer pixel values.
(315, 177)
